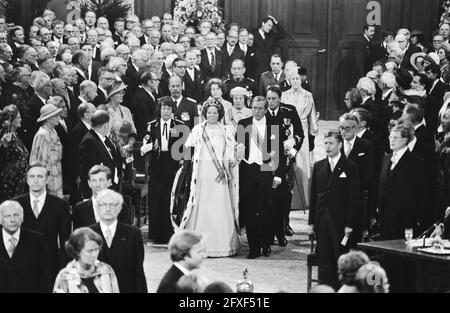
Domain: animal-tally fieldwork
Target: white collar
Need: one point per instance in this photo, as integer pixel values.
(178, 101)
(135, 67)
(365, 99)
(361, 133)
(335, 159)
(88, 126)
(149, 92)
(103, 90)
(399, 154)
(112, 227)
(169, 122)
(6, 235)
(352, 142)
(243, 47)
(184, 270)
(412, 144)
(261, 122)
(94, 207)
(41, 198)
(102, 138)
(386, 93)
(421, 123)
(368, 39)
(274, 111)
(42, 99)
(262, 33)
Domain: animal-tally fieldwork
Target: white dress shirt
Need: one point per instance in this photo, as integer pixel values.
(396, 156)
(165, 137)
(184, 270)
(274, 112)
(255, 155)
(334, 160)
(412, 144)
(88, 126)
(209, 52)
(243, 48)
(41, 201)
(263, 35)
(112, 227)
(361, 133)
(347, 146)
(177, 101)
(191, 73)
(7, 236)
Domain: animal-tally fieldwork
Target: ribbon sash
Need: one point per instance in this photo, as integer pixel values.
(257, 139)
(222, 177)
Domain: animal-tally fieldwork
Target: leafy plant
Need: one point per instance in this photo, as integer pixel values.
(111, 9)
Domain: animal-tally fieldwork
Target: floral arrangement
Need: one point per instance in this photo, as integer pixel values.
(445, 17)
(192, 12)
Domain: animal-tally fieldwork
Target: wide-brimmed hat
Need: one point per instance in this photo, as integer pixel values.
(434, 57)
(115, 89)
(414, 58)
(47, 111)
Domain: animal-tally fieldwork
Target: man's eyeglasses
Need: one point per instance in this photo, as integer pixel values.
(346, 129)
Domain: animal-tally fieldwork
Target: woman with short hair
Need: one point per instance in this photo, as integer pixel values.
(85, 273)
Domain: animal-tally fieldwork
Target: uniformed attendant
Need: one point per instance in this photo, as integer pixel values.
(273, 77)
(186, 108)
(237, 79)
(286, 116)
(161, 134)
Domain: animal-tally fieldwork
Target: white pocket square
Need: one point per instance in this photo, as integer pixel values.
(252, 54)
(361, 154)
(343, 175)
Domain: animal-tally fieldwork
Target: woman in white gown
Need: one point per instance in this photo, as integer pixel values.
(212, 207)
(304, 162)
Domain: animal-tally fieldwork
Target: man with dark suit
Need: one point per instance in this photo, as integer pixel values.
(81, 61)
(435, 97)
(291, 139)
(123, 249)
(47, 215)
(364, 50)
(231, 52)
(186, 250)
(379, 51)
(410, 49)
(30, 113)
(361, 152)
(87, 94)
(106, 78)
(261, 170)
(6, 276)
(212, 65)
(84, 213)
(186, 110)
(24, 252)
(264, 43)
(138, 60)
(334, 205)
(401, 193)
(249, 54)
(97, 148)
(193, 79)
(273, 77)
(144, 102)
(237, 79)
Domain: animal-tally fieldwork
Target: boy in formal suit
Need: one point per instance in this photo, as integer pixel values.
(334, 199)
(187, 251)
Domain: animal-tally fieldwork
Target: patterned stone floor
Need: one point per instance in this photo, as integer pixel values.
(284, 270)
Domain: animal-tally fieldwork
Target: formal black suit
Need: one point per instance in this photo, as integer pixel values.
(163, 168)
(255, 185)
(168, 283)
(229, 58)
(364, 55)
(379, 52)
(334, 204)
(164, 83)
(435, 101)
(92, 152)
(424, 136)
(250, 61)
(81, 77)
(67, 158)
(72, 107)
(100, 99)
(265, 47)
(6, 277)
(407, 57)
(29, 264)
(291, 128)
(187, 112)
(54, 223)
(380, 120)
(145, 107)
(206, 68)
(83, 214)
(400, 195)
(363, 155)
(77, 134)
(194, 88)
(132, 81)
(126, 257)
(29, 115)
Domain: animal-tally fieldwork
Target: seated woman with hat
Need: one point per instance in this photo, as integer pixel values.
(47, 148)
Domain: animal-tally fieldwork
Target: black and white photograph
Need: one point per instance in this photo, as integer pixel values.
(224, 147)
